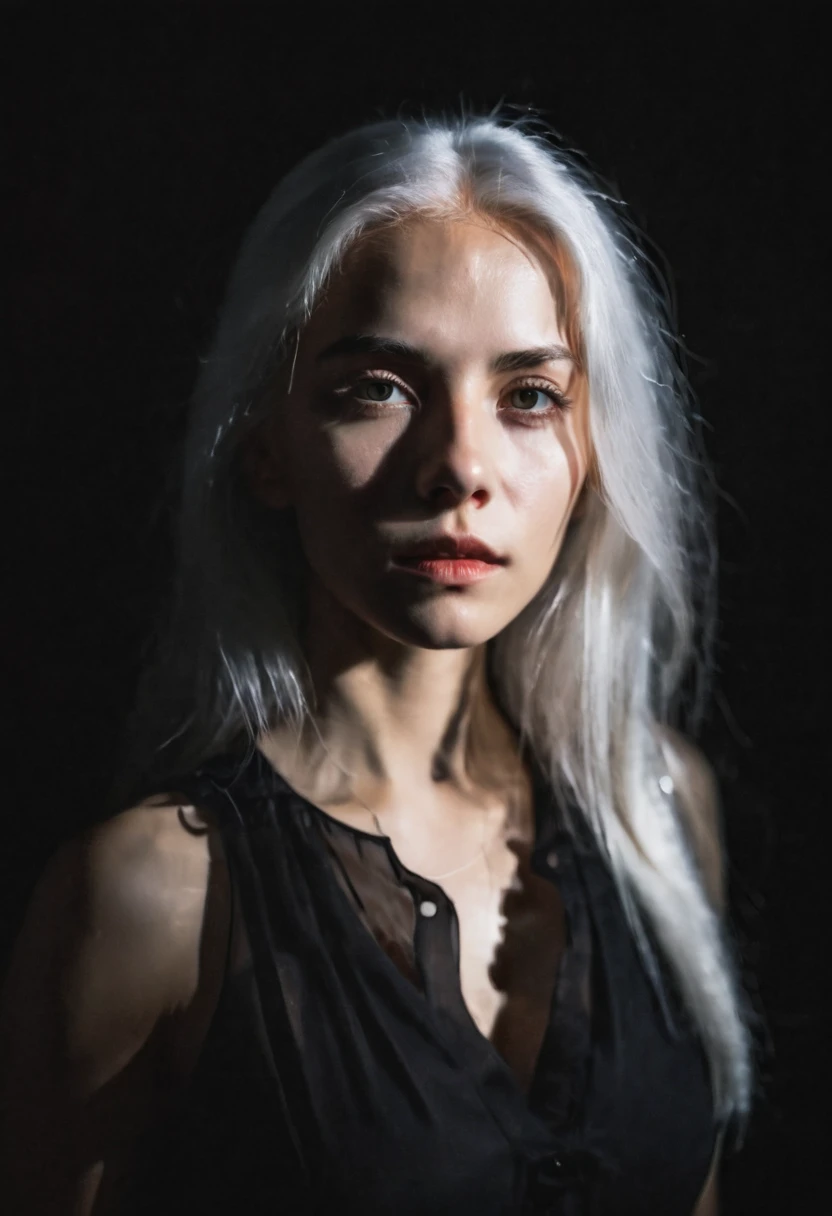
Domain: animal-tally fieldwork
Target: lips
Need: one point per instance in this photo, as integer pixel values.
(451, 548)
(450, 561)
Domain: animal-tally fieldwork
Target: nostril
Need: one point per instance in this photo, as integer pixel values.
(446, 497)
(442, 493)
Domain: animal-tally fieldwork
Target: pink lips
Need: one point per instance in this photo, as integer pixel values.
(451, 560)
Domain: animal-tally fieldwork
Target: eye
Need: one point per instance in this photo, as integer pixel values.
(527, 398)
(380, 392)
(538, 399)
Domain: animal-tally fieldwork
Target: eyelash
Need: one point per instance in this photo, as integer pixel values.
(560, 402)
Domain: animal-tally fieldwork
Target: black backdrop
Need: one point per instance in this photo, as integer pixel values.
(142, 140)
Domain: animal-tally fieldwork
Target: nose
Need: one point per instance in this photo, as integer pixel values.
(454, 459)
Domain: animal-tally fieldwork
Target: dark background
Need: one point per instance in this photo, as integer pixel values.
(142, 141)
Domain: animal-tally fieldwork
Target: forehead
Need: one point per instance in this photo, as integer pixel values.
(441, 280)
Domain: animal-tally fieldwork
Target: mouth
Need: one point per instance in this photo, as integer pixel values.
(452, 561)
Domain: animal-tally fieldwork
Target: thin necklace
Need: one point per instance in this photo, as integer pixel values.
(430, 877)
(448, 873)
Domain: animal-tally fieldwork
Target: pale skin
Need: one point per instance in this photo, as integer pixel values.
(118, 967)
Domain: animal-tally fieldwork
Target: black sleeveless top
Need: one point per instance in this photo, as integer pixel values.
(342, 1071)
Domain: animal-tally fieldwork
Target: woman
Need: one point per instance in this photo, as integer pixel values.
(417, 908)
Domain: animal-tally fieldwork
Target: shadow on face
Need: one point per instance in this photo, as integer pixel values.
(433, 391)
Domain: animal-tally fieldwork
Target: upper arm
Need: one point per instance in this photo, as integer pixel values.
(105, 955)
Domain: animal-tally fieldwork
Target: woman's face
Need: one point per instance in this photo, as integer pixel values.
(414, 412)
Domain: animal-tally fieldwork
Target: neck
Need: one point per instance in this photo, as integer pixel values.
(391, 721)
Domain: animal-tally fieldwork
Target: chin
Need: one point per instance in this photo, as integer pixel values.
(445, 626)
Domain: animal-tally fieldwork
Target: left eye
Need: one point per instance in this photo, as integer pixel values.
(527, 398)
(378, 390)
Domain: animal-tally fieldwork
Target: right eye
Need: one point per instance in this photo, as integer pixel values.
(380, 392)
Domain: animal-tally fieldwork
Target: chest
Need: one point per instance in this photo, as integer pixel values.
(512, 936)
(512, 933)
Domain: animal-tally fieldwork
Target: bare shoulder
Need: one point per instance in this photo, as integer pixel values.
(698, 801)
(146, 864)
(109, 959)
(145, 878)
(113, 927)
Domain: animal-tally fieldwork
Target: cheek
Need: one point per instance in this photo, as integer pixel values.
(355, 454)
(331, 475)
(342, 460)
(544, 489)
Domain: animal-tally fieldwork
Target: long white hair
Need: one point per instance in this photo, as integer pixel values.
(617, 641)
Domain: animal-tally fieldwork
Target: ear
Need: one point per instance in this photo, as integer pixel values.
(263, 472)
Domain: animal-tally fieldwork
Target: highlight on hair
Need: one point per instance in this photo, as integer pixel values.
(617, 642)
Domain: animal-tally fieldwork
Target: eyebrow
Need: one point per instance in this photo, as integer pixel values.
(374, 344)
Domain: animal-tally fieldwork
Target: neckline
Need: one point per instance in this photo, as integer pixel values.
(548, 824)
(549, 831)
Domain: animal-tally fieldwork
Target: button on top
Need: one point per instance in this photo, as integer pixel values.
(427, 907)
(552, 859)
(666, 784)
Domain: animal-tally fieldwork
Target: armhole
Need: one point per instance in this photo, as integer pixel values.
(218, 855)
(232, 925)
(221, 855)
